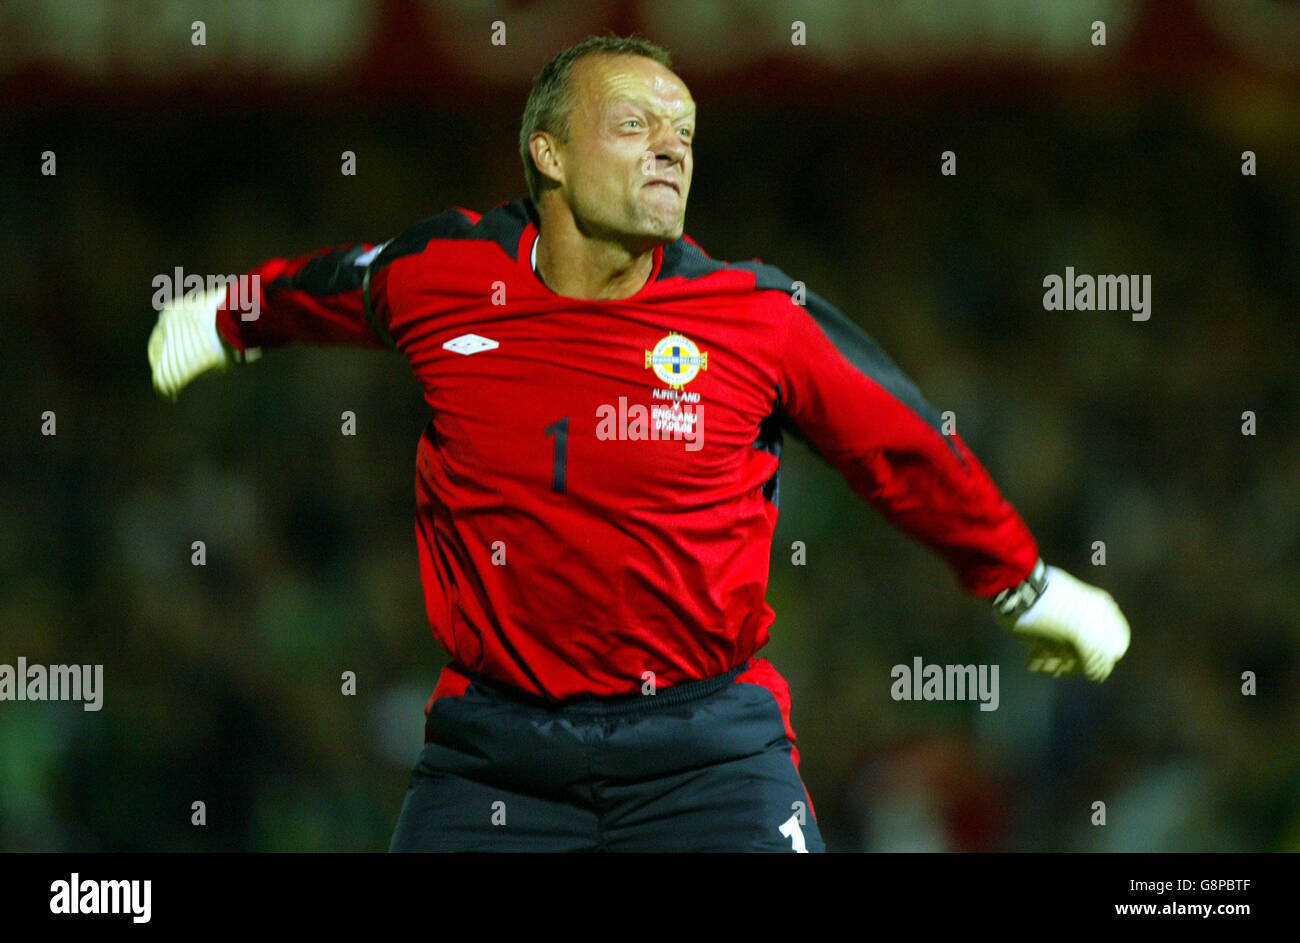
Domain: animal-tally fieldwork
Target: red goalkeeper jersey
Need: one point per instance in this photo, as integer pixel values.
(596, 490)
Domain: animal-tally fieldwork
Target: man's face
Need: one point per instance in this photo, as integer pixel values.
(628, 161)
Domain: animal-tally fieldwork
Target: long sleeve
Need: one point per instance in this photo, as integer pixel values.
(869, 421)
(315, 299)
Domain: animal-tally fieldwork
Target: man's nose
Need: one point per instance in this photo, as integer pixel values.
(669, 146)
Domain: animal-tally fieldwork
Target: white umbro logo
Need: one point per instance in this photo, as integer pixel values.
(470, 344)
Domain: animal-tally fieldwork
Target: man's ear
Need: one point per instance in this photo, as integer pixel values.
(546, 155)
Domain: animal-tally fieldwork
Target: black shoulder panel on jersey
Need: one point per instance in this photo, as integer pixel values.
(505, 225)
(767, 277)
(683, 260)
(452, 224)
(330, 274)
(859, 347)
(863, 352)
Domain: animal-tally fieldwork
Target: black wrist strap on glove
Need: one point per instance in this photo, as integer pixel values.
(1011, 603)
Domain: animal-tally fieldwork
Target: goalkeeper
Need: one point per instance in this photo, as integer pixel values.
(597, 487)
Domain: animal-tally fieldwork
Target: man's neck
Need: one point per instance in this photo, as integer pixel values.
(578, 266)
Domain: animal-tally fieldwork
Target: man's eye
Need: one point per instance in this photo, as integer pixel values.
(629, 121)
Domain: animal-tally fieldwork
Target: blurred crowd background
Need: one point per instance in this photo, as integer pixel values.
(223, 682)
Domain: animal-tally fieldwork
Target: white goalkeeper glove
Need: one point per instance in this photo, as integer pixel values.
(185, 342)
(1070, 625)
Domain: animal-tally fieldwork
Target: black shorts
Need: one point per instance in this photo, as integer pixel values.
(706, 766)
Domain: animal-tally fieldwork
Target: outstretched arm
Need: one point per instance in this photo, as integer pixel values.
(869, 421)
(319, 298)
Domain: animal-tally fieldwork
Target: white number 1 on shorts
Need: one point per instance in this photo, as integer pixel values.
(791, 830)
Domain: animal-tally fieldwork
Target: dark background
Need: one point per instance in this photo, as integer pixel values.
(222, 682)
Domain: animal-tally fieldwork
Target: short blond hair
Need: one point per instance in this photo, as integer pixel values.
(550, 102)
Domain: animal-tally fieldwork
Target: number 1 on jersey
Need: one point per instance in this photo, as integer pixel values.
(560, 429)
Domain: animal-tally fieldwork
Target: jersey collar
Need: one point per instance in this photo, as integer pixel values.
(532, 231)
